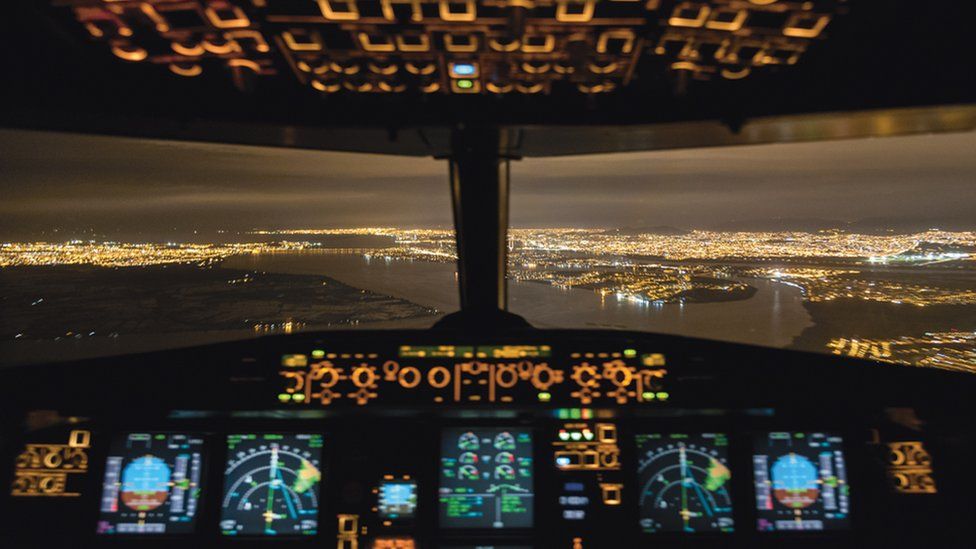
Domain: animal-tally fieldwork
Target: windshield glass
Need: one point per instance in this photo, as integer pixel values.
(113, 245)
(863, 248)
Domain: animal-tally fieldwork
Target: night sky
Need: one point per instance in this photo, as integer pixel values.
(130, 188)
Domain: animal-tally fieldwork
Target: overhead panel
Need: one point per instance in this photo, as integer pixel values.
(459, 47)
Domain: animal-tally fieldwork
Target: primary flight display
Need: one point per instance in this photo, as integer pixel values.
(151, 484)
(801, 482)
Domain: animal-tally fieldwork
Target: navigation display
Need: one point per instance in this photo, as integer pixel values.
(684, 483)
(151, 484)
(801, 482)
(398, 499)
(486, 478)
(271, 485)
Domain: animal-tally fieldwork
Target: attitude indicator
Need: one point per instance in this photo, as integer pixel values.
(151, 484)
(801, 482)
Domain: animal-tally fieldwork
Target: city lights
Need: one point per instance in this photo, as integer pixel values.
(644, 270)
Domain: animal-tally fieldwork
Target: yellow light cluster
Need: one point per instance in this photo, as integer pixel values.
(115, 254)
(945, 350)
(504, 46)
(713, 245)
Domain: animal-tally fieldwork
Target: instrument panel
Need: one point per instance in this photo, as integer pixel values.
(201, 447)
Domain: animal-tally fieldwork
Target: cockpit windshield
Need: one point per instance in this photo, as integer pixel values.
(863, 248)
(114, 245)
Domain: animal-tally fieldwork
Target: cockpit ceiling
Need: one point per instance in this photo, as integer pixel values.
(485, 47)
(566, 76)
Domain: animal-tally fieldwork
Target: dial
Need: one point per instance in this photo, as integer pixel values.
(504, 441)
(468, 472)
(469, 441)
(504, 472)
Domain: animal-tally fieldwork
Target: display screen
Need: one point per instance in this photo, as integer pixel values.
(397, 499)
(684, 483)
(151, 484)
(801, 482)
(486, 478)
(271, 485)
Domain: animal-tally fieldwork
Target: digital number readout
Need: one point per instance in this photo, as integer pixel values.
(486, 478)
(271, 485)
(151, 484)
(801, 482)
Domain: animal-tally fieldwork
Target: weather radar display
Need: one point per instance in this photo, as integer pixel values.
(151, 484)
(486, 478)
(684, 483)
(271, 485)
(801, 482)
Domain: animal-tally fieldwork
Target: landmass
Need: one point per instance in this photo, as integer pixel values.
(83, 301)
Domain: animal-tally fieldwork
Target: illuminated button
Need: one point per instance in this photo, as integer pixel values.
(318, 353)
(606, 432)
(647, 395)
(348, 524)
(663, 395)
(465, 85)
(573, 487)
(567, 460)
(463, 70)
(630, 353)
(611, 493)
(545, 397)
(654, 359)
(294, 361)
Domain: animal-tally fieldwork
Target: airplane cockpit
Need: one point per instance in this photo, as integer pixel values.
(483, 430)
